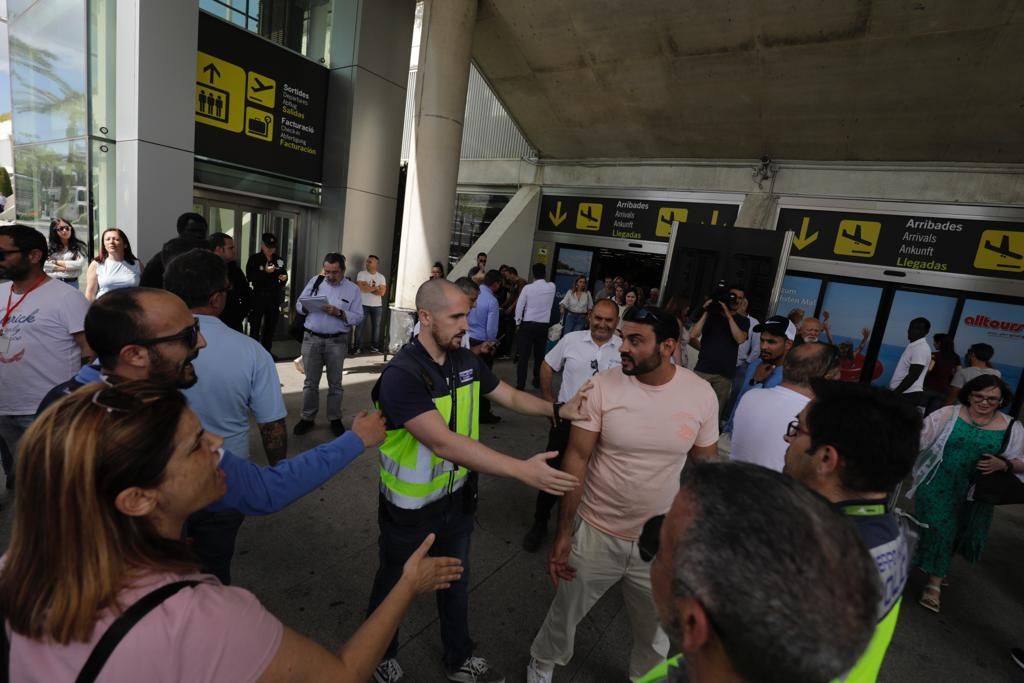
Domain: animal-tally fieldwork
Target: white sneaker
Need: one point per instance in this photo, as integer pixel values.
(539, 672)
(299, 365)
(388, 671)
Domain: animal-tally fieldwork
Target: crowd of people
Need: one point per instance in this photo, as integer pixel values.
(124, 424)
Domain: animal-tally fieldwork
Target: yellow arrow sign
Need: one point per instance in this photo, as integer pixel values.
(804, 240)
(557, 218)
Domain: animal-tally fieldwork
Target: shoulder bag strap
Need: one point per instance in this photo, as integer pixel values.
(1006, 436)
(120, 628)
(316, 285)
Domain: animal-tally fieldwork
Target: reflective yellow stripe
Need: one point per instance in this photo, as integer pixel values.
(870, 663)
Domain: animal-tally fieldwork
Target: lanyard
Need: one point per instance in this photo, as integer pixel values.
(864, 510)
(10, 308)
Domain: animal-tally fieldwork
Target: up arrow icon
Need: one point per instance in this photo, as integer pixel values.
(212, 71)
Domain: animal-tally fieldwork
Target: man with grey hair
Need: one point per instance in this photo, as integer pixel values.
(430, 396)
(796, 600)
(759, 424)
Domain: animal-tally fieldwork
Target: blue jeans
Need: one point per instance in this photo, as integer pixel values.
(316, 353)
(371, 321)
(401, 533)
(11, 429)
(574, 322)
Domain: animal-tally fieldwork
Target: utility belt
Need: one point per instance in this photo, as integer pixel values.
(324, 336)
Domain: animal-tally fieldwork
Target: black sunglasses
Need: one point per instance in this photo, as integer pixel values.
(190, 334)
(641, 314)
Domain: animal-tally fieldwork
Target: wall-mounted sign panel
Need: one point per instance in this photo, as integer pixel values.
(633, 219)
(257, 104)
(986, 248)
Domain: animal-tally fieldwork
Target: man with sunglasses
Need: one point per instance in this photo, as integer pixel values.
(853, 444)
(142, 333)
(795, 601)
(641, 423)
(577, 356)
(41, 334)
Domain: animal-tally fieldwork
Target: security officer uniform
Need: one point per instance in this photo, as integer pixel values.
(267, 290)
(421, 493)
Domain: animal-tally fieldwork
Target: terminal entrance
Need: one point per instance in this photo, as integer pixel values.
(884, 311)
(246, 219)
(641, 270)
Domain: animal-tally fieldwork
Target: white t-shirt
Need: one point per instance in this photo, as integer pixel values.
(759, 425)
(578, 357)
(965, 375)
(42, 352)
(916, 353)
(375, 279)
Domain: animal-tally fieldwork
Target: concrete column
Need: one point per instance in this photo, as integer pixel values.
(440, 103)
(156, 73)
(369, 61)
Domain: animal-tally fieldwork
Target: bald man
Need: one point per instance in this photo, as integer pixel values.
(430, 396)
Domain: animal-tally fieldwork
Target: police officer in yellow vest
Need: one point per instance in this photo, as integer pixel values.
(430, 396)
(796, 600)
(853, 444)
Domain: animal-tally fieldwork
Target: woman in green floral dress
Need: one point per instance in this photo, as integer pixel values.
(960, 440)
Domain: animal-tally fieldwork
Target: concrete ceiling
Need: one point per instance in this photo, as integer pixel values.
(883, 80)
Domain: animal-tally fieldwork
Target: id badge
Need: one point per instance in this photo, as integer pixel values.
(5, 344)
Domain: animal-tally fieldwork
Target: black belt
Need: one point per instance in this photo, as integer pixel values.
(324, 336)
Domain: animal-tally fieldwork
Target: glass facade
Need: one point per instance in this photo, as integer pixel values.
(300, 25)
(62, 84)
(474, 213)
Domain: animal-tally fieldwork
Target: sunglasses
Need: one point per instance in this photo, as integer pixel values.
(190, 334)
(114, 400)
(61, 228)
(641, 314)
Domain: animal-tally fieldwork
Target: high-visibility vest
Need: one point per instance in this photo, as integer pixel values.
(411, 475)
(660, 673)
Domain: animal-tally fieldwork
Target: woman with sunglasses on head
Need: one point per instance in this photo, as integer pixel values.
(960, 443)
(66, 257)
(115, 266)
(129, 464)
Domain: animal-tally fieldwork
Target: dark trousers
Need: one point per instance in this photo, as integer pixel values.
(488, 359)
(531, 337)
(263, 319)
(558, 440)
(401, 533)
(213, 537)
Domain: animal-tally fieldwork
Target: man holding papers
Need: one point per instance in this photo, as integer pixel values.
(333, 312)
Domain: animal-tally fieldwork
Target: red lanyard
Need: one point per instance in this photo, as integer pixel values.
(10, 308)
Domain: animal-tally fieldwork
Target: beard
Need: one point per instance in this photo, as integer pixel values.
(641, 367)
(162, 369)
(449, 344)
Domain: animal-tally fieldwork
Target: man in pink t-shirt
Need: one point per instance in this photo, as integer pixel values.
(643, 421)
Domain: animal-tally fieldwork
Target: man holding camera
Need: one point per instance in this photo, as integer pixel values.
(717, 334)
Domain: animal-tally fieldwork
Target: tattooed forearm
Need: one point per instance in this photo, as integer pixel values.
(275, 440)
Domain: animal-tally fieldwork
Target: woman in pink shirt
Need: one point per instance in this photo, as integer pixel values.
(106, 479)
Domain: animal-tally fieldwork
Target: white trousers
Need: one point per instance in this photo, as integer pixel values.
(601, 561)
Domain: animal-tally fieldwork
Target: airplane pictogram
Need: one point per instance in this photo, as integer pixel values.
(1003, 249)
(260, 86)
(856, 236)
(587, 213)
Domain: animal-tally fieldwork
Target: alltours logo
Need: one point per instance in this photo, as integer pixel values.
(987, 323)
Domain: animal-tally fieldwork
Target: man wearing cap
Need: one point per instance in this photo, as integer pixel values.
(776, 339)
(326, 338)
(268, 276)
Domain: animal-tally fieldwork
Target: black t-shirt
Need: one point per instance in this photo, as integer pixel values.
(408, 389)
(718, 348)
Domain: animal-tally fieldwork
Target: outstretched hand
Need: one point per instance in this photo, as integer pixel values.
(540, 475)
(431, 573)
(573, 409)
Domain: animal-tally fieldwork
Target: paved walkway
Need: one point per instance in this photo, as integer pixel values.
(313, 564)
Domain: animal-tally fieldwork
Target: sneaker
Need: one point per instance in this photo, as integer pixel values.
(476, 670)
(1017, 655)
(300, 367)
(539, 672)
(337, 427)
(388, 671)
(534, 537)
(302, 427)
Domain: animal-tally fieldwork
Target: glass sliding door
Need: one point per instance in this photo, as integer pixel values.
(907, 305)
(850, 312)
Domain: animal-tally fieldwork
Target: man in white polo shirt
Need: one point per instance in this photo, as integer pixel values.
(578, 356)
(372, 287)
(762, 416)
(908, 379)
(533, 316)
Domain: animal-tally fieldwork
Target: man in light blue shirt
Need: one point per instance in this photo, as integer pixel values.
(326, 339)
(483, 327)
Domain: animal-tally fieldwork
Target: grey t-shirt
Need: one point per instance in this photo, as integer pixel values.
(965, 375)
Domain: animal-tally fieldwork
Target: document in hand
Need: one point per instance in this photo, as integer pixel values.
(313, 303)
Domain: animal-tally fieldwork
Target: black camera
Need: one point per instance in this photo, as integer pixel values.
(722, 294)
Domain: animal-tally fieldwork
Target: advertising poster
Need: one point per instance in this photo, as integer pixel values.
(1000, 325)
(798, 292)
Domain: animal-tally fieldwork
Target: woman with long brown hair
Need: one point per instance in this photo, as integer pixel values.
(106, 479)
(115, 266)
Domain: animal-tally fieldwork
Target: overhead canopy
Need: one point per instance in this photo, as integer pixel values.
(908, 80)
